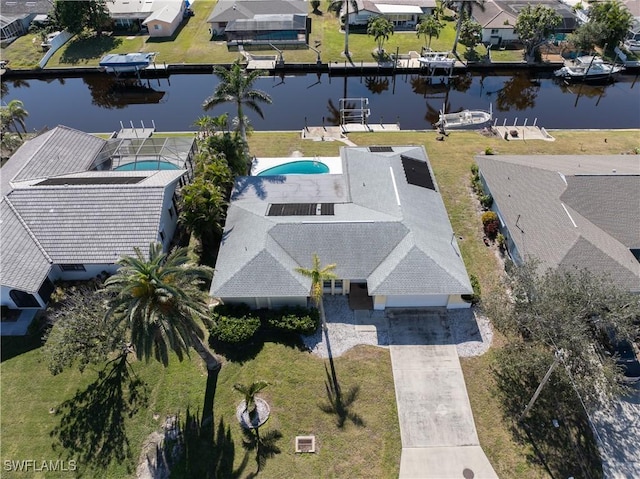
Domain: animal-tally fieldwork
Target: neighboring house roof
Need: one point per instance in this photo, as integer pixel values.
(22, 8)
(394, 6)
(571, 211)
(141, 9)
(166, 14)
(261, 23)
(394, 235)
(24, 264)
(82, 218)
(228, 10)
(492, 18)
(59, 151)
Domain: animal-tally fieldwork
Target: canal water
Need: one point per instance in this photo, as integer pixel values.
(97, 104)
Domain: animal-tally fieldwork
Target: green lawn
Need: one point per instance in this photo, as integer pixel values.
(25, 52)
(192, 44)
(297, 387)
(28, 391)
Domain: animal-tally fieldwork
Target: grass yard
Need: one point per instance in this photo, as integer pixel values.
(25, 52)
(28, 391)
(297, 387)
(192, 44)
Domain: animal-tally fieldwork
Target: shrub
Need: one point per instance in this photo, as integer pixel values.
(474, 169)
(476, 185)
(315, 4)
(488, 150)
(475, 284)
(294, 320)
(501, 240)
(234, 330)
(486, 201)
(490, 224)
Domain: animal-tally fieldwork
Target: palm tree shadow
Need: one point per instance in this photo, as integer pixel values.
(92, 422)
(338, 403)
(264, 445)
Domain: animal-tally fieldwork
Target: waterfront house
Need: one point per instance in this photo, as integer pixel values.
(16, 16)
(379, 217)
(404, 14)
(160, 17)
(281, 23)
(498, 19)
(72, 205)
(573, 211)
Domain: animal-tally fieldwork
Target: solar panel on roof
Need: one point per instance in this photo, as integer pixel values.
(380, 149)
(300, 209)
(98, 180)
(417, 172)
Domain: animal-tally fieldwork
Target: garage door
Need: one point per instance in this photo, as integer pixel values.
(413, 301)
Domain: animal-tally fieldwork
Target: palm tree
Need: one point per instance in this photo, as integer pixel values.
(336, 6)
(159, 300)
(381, 29)
(250, 392)
(465, 8)
(236, 86)
(318, 275)
(429, 27)
(15, 114)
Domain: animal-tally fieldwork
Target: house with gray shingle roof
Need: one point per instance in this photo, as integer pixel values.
(261, 22)
(403, 14)
(65, 216)
(573, 211)
(382, 221)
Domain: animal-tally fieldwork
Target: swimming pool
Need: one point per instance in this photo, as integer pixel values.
(147, 165)
(304, 167)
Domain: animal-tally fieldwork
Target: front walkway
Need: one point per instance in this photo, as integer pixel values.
(439, 438)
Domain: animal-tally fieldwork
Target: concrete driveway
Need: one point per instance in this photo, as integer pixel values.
(439, 438)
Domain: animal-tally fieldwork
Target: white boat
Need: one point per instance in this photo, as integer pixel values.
(588, 68)
(436, 60)
(126, 62)
(464, 118)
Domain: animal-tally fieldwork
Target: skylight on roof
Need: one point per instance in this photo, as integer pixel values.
(417, 172)
(301, 209)
(380, 149)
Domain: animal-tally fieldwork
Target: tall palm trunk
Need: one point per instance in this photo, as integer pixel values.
(211, 360)
(346, 32)
(458, 26)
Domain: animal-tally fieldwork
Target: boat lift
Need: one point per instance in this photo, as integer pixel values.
(354, 110)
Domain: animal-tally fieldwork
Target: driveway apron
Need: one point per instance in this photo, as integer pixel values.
(439, 438)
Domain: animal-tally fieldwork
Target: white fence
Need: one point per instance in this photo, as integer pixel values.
(56, 43)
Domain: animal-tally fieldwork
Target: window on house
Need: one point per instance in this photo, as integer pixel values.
(156, 27)
(326, 284)
(23, 300)
(72, 267)
(494, 31)
(338, 284)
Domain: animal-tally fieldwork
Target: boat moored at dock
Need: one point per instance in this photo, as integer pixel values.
(588, 68)
(126, 62)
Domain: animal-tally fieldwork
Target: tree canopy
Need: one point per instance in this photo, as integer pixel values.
(380, 29)
(573, 311)
(615, 18)
(470, 33)
(535, 24)
(429, 27)
(78, 15)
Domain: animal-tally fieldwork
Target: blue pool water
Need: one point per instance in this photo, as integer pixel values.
(305, 167)
(147, 166)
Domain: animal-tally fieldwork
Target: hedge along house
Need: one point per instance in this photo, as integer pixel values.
(63, 219)
(573, 211)
(381, 221)
(282, 23)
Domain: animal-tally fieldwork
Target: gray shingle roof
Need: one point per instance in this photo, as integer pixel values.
(571, 210)
(20, 247)
(369, 237)
(228, 10)
(60, 151)
(90, 224)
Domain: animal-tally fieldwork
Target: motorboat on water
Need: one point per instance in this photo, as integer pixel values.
(126, 62)
(464, 118)
(588, 68)
(434, 60)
